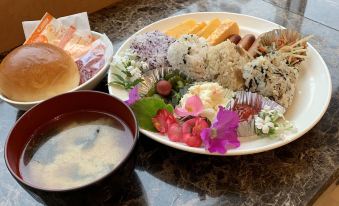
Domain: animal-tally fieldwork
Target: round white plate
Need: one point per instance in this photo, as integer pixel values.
(311, 100)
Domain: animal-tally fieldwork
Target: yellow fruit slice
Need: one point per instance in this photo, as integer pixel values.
(182, 28)
(197, 28)
(209, 29)
(226, 29)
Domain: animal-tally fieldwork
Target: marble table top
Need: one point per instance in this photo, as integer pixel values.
(295, 174)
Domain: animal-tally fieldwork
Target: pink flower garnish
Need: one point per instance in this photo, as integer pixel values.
(191, 130)
(223, 132)
(175, 132)
(133, 96)
(193, 107)
(163, 120)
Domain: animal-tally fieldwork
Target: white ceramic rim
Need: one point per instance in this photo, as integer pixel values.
(103, 70)
(233, 152)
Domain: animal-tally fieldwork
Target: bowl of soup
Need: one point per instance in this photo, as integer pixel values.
(77, 148)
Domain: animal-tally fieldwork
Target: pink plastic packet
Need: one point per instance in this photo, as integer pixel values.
(90, 63)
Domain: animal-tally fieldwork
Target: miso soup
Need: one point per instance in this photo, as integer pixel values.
(75, 149)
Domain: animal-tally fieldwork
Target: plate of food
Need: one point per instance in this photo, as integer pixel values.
(221, 83)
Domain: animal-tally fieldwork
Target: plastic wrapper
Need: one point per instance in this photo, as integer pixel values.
(68, 37)
(90, 63)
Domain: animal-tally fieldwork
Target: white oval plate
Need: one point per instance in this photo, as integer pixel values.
(313, 92)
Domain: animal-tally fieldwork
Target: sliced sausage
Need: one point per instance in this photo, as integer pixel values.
(253, 49)
(234, 38)
(247, 41)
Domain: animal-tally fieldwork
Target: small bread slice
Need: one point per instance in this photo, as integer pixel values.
(197, 28)
(226, 29)
(182, 28)
(209, 29)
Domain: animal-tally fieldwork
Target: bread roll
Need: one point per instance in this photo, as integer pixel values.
(37, 72)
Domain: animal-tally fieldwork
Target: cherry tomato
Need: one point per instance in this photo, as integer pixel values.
(164, 87)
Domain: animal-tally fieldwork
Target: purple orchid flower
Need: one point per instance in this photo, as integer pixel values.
(223, 132)
(133, 96)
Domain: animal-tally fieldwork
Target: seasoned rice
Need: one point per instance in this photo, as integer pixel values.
(225, 65)
(189, 55)
(151, 48)
(270, 76)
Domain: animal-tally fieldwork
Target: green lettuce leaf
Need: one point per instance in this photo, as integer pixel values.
(146, 108)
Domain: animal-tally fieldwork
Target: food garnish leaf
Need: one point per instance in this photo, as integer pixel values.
(119, 77)
(146, 108)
